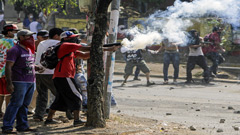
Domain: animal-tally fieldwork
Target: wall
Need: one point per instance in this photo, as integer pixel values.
(70, 23)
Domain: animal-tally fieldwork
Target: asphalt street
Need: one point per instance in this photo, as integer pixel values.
(199, 105)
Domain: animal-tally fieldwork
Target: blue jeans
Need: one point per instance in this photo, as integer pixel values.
(167, 58)
(82, 85)
(216, 59)
(137, 72)
(18, 106)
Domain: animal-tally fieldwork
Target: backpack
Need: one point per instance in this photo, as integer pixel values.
(49, 58)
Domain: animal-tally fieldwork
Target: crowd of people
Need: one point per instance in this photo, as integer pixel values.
(25, 82)
(199, 49)
(22, 73)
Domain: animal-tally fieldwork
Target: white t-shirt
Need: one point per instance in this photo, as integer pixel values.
(40, 49)
(33, 28)
(195, 51)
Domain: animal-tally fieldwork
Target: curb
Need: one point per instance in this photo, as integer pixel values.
(182, 78)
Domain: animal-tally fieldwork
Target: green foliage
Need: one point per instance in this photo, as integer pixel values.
(46, 5)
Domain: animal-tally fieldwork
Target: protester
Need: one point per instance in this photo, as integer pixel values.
(5, 44)
(36, 26)
(137, 70)
(20, 77)
(27, 21)
(80, 79)
(44, 80)
(68, 95)
(196, 57)
(171, 54)
(2, 21)
(134, 58)
(41, 35)
(214, 50)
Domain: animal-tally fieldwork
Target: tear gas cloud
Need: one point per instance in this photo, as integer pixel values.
(173, 23)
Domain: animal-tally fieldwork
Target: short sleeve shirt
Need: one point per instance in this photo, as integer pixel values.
(215, 38)
(23, 68)
(5, 45)
(66, 67)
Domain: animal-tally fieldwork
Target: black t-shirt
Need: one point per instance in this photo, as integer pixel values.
(134, 55)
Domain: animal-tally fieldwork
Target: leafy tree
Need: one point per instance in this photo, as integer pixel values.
(46, 6)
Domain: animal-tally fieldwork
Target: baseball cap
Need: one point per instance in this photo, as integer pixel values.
(10, 27)
(68, 34)
(25, 32)
(43, 33)
(74, 30)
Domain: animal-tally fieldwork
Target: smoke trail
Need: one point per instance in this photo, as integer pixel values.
(174, 22)
(141, 40)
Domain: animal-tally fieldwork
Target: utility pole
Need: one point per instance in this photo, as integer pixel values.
(110, 57)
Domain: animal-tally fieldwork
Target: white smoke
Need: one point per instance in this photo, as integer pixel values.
(141, 40)
(173, 22)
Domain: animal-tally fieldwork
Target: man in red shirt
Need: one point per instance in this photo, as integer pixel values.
(213, 52)
(68, 95)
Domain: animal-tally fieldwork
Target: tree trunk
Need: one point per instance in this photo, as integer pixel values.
(95, 117)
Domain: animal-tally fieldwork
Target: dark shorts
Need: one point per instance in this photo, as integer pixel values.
(68, 95)
(141, 65)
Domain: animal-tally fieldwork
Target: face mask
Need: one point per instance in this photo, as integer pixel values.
(1, 17)
(31, 16)
(29, 44)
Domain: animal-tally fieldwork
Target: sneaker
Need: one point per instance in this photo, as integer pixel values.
(150, 83)
(123, 84)
(206, 81)
(77, 123)
(52, 121)
(28, 130)
(188, 82)
(165, 82)
(8, 131)
(37, 119)
(212, 75)
(30, 112)
(136, 79)
(174, 81)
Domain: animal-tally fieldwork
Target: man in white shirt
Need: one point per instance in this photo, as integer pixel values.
(196, 57)
(35, 26)
(44, 80)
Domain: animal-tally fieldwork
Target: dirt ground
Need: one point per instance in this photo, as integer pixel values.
(123, 124)
(118, 124)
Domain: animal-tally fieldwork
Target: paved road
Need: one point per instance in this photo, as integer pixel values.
(198, 105)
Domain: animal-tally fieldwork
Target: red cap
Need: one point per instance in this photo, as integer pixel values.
(9, 27)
